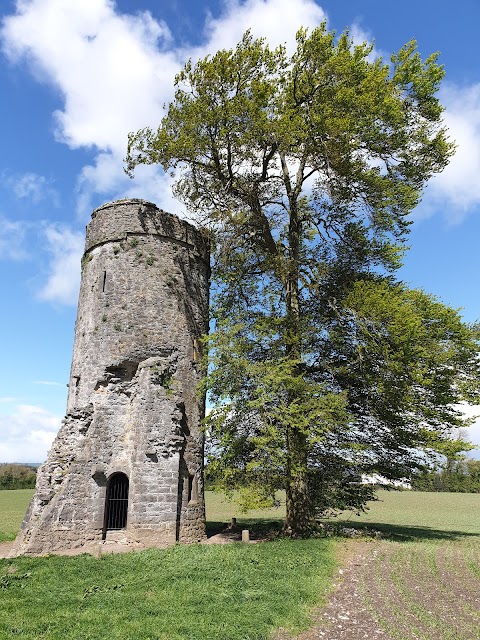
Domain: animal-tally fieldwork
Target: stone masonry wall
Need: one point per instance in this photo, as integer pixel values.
(132, 405)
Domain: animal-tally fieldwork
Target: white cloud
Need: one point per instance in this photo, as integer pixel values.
(276, 20)
(115, 71)
(31, 186)
(108, 66)
(12, 239)
(103, 177)
(27, 434)
(456, 191)
(472, 433)
(65, 247)
(49, 383)
(359, 35)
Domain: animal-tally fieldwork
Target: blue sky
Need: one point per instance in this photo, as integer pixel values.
(76, 77)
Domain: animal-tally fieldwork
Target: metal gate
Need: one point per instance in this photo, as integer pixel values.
(117, 502)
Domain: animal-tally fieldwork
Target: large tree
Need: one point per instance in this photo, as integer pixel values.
(305, 170)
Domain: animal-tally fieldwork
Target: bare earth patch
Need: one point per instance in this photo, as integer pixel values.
(346, 615)
(401, 591)
(5, 548)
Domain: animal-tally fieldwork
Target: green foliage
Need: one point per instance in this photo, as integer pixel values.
(456, 476)
(17, 476)
(305, 170)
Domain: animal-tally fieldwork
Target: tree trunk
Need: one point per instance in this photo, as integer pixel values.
(299, 518)
(299, 507)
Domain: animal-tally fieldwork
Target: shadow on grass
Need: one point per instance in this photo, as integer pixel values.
(261, 527)
(406, 533)
(258, 527)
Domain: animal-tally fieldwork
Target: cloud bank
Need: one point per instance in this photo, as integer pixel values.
(27, 434)
(114, 72)
(456, 191)
(63, 281)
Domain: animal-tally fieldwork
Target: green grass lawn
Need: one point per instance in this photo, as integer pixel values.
(195, 592)
(244, 592)
(220, 511)
(409, 515)
(13, 505)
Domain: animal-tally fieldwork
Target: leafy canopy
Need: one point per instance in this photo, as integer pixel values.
(305, 170)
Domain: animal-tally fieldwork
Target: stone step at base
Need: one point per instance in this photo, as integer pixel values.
(119, 537)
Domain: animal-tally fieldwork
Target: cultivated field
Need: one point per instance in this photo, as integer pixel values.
(421, 582)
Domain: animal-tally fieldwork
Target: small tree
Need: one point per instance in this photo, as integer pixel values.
(305, 170)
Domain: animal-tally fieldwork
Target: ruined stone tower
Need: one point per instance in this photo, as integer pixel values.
(127, 461)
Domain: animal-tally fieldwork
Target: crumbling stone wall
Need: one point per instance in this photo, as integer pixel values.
(132, 405)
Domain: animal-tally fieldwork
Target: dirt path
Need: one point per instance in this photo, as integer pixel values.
(5, 548)
(346, 615)
(402, 591)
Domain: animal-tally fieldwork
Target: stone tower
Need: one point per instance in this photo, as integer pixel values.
(127, 462)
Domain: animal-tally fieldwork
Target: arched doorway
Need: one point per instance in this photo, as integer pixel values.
(116, 504)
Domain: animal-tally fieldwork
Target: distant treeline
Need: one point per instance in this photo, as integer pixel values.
(17, 476)
(458, 476)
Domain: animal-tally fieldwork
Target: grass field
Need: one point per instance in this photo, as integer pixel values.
(414, 515)
(400, 514)
(13, 505)
(422, 583)
(198, 592)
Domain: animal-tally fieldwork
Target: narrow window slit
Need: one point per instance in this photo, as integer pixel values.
(104, 281)
(190, 488)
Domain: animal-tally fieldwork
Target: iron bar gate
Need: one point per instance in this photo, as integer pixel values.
(116, 502)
